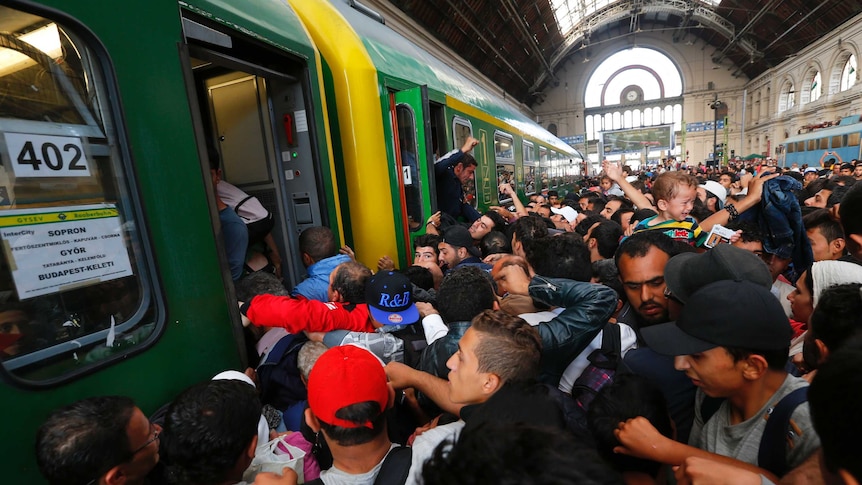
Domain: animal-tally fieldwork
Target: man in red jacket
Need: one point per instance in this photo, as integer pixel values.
(358, 302)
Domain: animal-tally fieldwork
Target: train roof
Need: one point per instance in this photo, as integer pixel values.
(399, 57)
(848, 124)
(271, 21)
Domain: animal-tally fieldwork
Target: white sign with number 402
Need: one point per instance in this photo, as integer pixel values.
(46, 156)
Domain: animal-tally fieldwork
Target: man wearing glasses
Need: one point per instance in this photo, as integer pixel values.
(99, 440)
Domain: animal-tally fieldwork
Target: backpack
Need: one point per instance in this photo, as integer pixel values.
(393, 471)
(280, 381)
(605, 362)
(770, 453)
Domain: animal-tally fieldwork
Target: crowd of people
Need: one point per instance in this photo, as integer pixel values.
(690, 325)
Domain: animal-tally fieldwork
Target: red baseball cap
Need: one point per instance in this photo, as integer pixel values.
(343, 376)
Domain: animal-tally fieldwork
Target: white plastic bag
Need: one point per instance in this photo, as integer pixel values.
(273, 457)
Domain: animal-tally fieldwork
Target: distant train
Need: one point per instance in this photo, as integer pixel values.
(113, 276)
(823, 144)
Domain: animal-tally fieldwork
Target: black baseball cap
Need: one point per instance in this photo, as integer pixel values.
(687, 272)
(738, 314)
(458, 236)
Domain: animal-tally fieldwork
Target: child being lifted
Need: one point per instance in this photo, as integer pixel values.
(674, 193)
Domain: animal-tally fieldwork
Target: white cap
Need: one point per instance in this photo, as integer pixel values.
(568, 212)
(715, 189)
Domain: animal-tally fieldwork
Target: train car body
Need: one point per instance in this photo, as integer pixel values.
(824, 145)
(397, 109)
(113, 270)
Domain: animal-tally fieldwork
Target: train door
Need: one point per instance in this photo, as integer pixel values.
(414, 155)
(252, 113)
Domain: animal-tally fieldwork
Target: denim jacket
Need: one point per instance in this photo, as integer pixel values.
(780, 217)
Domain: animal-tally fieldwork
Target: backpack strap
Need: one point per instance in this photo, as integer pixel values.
(240, 203)
(771, 454)
(396, 467)
(316, 481)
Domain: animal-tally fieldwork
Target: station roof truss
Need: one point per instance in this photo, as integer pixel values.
(522, 44)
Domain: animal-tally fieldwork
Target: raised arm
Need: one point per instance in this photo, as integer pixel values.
(402, 376)
(615, 172)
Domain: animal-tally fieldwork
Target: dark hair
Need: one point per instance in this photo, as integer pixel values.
(833, 398)
(508, 346)
(751, 232)
(495, 242)
(699, 210)
(849, 210)
(362, 412)
(464, 293)
(775, 359)
(510, 453)
(563, 256)
(638, 245)
(350, 280)
(628, 396)
(605, 272)
(838, 315)
(553, 193)
(318, 242)
(427, 241)
(623, 210)
(259, 283)
(497, 219)
(467, 161)
(607, 235)
(584, 226)
(207, 429)
(419, 276)
(82, 441)
(820, 219)
(527, 229)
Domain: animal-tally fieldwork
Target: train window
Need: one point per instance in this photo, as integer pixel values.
(74, 285)
(823, 143)
(812, 144)
(461, 130)
(836, 141)
(529, 168)
(790, 147)
(852, 139)
(800, 146)
(504, 155)
(411, 175)
(544, 168)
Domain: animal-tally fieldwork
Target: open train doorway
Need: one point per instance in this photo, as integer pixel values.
(255, 125)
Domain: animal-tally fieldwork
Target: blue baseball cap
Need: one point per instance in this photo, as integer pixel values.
(389, 296)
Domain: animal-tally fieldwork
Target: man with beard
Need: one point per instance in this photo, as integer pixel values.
(641, 260)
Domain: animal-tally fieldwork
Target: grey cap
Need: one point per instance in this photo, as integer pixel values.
(686, 273)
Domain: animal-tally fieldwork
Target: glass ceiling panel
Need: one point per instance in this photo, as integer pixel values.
(569, 13)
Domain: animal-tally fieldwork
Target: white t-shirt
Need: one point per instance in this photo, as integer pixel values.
(250, 211)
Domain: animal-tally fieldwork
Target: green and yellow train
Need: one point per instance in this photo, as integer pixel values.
(113, 277)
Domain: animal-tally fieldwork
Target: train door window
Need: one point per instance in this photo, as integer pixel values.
(411, 175)
(529, 168)
(823, 143)
(504, 155)
(853, 139)
(75, 291)
(836, 141)
(544, 168)
(461, 130)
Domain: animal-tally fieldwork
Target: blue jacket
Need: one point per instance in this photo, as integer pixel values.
(316, 284)
(587, 306)
(780, 217)
(450, 193)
